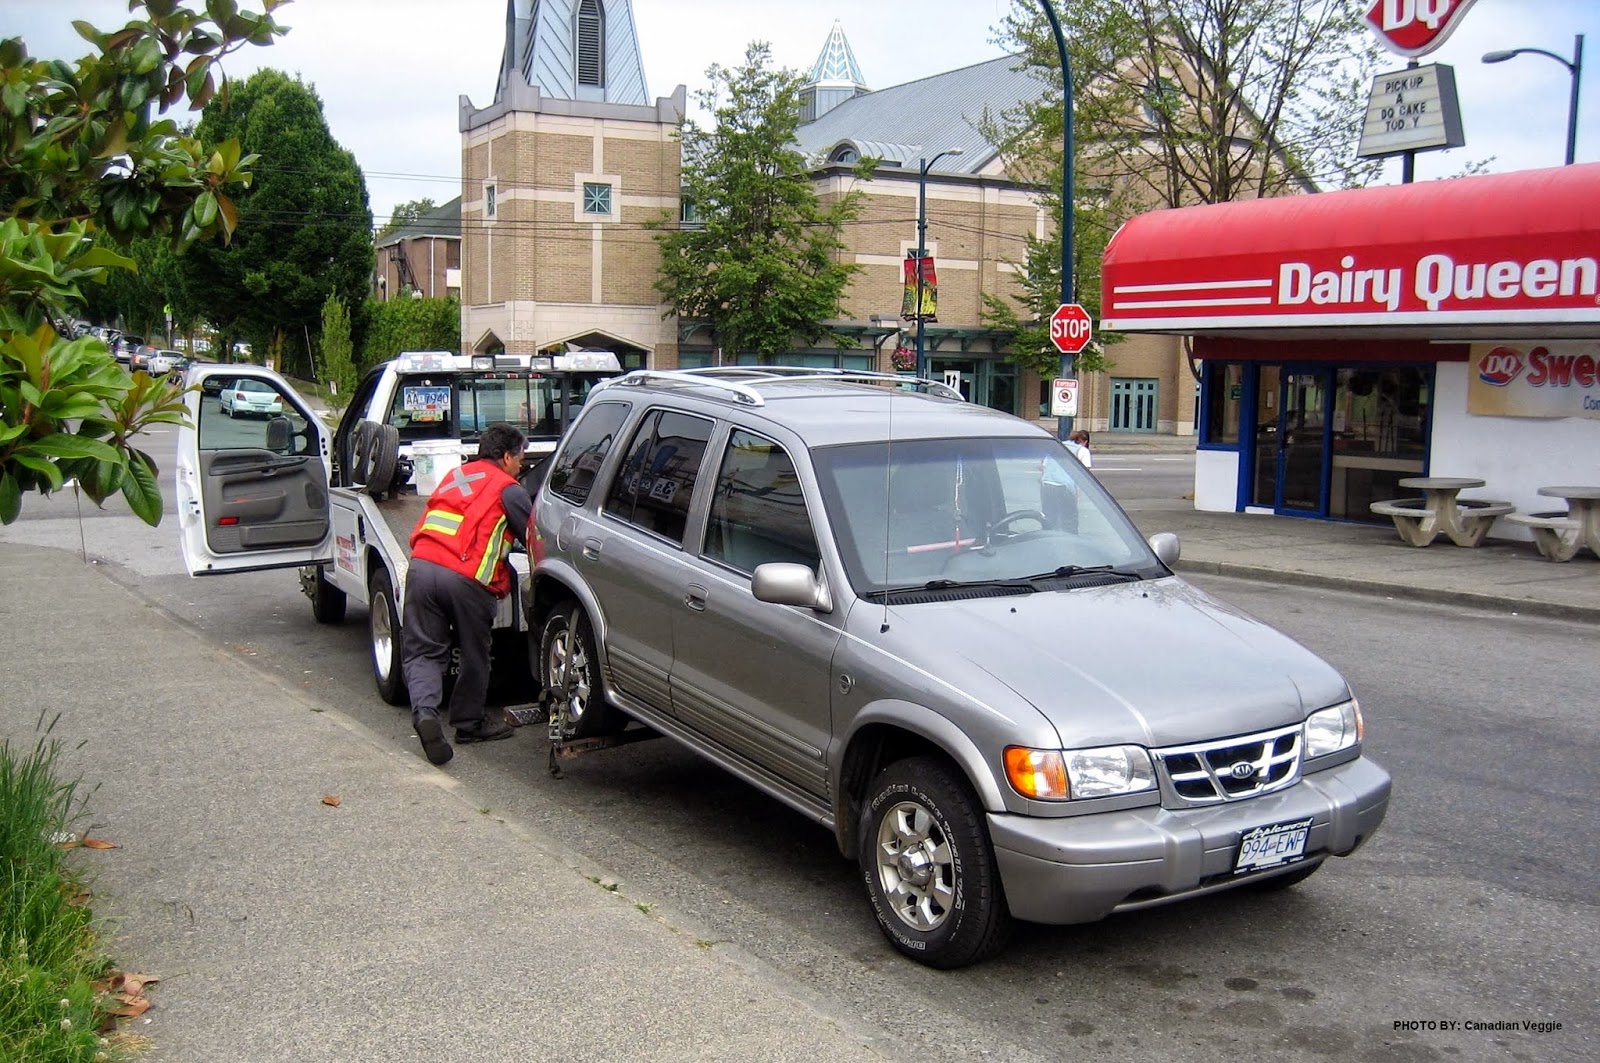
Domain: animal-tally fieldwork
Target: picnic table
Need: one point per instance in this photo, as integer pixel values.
(1558, 535)
(1440, 511)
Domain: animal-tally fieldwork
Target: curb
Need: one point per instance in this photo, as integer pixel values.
(1377, 588)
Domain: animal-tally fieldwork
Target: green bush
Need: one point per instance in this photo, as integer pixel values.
(405, 324)
(49, 955)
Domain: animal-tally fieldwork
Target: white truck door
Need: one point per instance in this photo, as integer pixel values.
(252, 474)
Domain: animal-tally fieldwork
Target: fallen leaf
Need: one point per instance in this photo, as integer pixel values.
(98, 843)
(134, 985)
(132, 1007)
(331, 800)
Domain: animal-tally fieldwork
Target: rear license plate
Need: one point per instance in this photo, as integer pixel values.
(1272, 846)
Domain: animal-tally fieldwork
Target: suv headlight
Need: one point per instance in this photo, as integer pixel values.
(1332, 729)
(1057, 775)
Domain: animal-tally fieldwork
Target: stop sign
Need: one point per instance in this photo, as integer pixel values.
(1070, 328)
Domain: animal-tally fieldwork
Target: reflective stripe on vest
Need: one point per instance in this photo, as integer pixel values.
(499, 546)
(443, 521)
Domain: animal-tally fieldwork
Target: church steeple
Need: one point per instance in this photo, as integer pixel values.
(574, 50)
(835, 78)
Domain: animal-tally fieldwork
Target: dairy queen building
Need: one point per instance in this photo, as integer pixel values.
(1351, 339)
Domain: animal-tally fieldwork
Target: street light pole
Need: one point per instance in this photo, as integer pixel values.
(922, 251)
(1574, 68)
(1064, 424)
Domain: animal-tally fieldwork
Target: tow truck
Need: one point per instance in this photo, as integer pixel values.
(339, 504)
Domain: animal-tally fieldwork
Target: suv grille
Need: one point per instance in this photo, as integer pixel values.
(1231, 769)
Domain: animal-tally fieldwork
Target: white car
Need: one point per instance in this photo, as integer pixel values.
(250, 396)
(162, 362)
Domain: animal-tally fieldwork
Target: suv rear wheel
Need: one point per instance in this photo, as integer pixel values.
(570, 672)
(929, 868)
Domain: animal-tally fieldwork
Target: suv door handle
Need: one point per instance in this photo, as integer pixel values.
(591, 549)
(695, 598)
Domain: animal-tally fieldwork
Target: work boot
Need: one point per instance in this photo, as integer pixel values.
(486, 730)
(431, 731)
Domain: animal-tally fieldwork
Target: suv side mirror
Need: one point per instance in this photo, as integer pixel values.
(784, 583)
(1166, 546)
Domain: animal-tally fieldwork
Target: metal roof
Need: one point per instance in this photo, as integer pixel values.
(440, 221)
(922, 118)
(836, 66)
(539, 44)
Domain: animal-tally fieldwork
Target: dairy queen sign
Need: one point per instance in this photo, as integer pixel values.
(1535, 380)
(1415, 27)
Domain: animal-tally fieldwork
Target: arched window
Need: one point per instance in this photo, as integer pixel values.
(846, 154)
(590, 36)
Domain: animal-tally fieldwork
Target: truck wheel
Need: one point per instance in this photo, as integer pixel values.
(929, 868)
(567, 663)
(327, 601)
(383, 623)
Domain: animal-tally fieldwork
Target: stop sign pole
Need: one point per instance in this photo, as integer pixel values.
(1068, 157)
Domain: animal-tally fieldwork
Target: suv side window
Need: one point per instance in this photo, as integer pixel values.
(573, 473)
(655, 485)
(759, 512)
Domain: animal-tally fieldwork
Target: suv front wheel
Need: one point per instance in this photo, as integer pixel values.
(929, 868)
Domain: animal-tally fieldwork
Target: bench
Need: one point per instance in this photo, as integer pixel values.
(1466, 521)
(1557, 535)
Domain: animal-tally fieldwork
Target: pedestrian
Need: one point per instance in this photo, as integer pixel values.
(1078, 443)
(458, 575)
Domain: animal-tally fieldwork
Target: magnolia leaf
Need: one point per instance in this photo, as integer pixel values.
(10, 497)
(44, 468)
(99, 257)
(62, 445)
(141, 491)
(97, 843)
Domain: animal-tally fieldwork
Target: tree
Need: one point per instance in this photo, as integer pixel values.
(87, 164)
(304, 225)
(406, 213)
(1178, 102)
(764, 266)
(410, 325)
(338, 367)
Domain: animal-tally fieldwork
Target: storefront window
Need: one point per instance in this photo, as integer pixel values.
(1380, 434)
(1224, 401)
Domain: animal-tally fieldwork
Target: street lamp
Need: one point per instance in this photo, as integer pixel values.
(922, 250)
(1575, 68)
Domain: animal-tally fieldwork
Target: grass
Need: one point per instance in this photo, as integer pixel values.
(50, 1011)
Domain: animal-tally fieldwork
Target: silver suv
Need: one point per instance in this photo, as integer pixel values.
(925, 625)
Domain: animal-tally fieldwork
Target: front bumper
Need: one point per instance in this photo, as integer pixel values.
(1078, 869)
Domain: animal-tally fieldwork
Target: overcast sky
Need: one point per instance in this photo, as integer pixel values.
(390, 72)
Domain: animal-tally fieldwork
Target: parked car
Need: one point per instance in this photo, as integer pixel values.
(162, 362)
(250, 396)
(925, 625)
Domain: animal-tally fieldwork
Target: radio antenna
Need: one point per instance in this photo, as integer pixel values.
(888, 507)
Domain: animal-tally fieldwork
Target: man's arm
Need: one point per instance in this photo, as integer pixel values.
(519, 512)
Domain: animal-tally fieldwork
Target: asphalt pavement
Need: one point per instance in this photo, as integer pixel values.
(305, 892)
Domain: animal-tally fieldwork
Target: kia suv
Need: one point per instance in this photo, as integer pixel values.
(926, 626)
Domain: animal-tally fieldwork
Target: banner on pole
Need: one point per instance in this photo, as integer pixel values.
(930, 289)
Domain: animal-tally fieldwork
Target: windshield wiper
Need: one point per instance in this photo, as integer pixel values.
(1068, 571)
(965, 584)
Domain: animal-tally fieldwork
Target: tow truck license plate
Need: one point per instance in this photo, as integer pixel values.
(1270, 846)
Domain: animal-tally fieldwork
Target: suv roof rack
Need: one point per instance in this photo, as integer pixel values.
(727, 378)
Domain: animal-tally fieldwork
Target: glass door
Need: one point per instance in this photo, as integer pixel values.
(1291, 453)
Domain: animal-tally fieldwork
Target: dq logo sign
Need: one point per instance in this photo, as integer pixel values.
(1415, 27)
(1500, 366)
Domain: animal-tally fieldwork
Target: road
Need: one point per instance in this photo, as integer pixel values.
(1475, 902)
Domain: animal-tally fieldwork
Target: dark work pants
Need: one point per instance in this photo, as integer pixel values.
(437, 602)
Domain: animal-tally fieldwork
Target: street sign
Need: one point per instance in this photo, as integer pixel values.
(1063, 397)
(1415, 27)
(1070, 328)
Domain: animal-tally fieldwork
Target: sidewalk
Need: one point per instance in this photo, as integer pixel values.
(400, 925)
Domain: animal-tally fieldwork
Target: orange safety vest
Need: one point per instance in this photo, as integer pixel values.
(464, 527)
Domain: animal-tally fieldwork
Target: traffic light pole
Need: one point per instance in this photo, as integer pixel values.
(1064, 424)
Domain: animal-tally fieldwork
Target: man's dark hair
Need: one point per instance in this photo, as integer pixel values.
(500, 439)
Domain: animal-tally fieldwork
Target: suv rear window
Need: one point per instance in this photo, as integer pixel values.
(573, 474)
(655, 485)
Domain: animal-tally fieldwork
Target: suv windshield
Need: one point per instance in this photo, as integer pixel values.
(971, 510)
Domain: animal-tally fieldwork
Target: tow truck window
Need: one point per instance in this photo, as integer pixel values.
(527, 400)
(422, 409)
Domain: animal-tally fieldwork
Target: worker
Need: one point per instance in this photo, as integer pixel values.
(458, 575)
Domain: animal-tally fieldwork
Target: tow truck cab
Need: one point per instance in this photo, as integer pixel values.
(439, 403)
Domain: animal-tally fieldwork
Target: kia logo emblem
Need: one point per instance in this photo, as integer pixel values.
(1242, 770)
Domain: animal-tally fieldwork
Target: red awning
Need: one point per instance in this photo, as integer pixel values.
(1502, 256)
